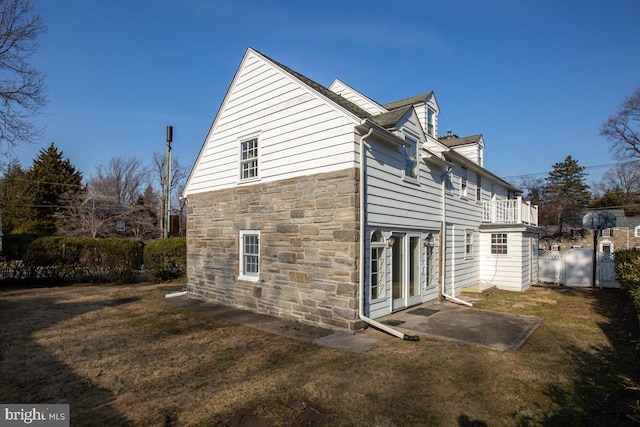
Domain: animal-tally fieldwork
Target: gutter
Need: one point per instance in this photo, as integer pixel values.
(365, 125)
(443, 245)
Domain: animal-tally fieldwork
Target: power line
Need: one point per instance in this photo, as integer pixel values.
(585, 167)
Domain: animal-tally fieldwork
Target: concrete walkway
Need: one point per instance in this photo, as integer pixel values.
(433, 320)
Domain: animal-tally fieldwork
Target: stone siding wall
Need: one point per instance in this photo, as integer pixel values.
(308, 247)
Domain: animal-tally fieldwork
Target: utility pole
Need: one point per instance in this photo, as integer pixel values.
(167, 224)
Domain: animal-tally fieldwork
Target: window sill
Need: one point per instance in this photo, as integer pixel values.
(410, 180)
(249, 278)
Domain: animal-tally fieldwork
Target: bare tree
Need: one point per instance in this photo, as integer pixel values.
(123, 179)
(619, 187)
(623, 129)
(98, 216)
(533, 187)
(22, 87)
(178, 176)
(86, 216)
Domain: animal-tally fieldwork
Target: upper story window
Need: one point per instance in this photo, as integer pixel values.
(431, 122)
(478, 187)
(607, 232)
(637, 231)
(411, 159)
(249, 159)
(464, 177)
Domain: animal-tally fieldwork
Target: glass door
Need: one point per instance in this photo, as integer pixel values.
(397, 273)
(405, 271)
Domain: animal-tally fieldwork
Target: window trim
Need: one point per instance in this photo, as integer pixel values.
(468, 244)
(464, 183)
(431, 122)
(381, 283)
(242, 161)
(478, 187)
(410, 154)
(242, 274)
(499, 245)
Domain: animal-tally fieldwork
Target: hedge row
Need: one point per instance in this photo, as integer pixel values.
(628, 273)
(94, 260)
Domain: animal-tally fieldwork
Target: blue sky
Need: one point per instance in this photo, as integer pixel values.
(536, 78)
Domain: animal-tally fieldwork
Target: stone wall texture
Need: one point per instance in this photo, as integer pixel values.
(308, 248)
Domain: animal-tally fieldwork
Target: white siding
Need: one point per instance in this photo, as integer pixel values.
(509, 271)
(471, 152)
(396, 202)
(356, 97)
(298, 131)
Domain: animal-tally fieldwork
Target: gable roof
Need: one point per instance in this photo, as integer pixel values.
(417, 99)
(454, 141)
(389, 120)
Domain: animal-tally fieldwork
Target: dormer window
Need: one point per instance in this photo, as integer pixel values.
(411, 159)
(431, 122)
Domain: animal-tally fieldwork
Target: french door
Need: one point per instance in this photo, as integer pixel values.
(405, 270)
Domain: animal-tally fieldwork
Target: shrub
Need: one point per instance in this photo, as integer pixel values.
(628, 273)
(166, 259)
(83, 258)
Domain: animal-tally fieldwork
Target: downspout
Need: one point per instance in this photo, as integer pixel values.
(361, 303)
(443, 240)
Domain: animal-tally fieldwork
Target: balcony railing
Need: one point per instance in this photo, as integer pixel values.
(512, 211)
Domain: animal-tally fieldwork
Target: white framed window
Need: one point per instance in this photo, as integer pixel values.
(499, 243)
(249, 159)
(431, 122)
(468, 244)
(478, 187)
(464, 178)
(249, 255)
(636, 231)
(607, 232)
(410, 154)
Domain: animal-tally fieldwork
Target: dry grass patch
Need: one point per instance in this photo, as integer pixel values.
(121, 356)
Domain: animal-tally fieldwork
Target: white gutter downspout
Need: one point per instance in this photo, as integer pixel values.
(444, 249)
(361, 267)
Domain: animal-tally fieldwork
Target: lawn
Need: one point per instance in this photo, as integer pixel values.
(120, 355)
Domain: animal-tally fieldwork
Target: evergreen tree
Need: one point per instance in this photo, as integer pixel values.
(15, 199)
(565, 195)
(52, 179)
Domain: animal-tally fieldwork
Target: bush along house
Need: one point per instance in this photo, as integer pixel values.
(321, 205)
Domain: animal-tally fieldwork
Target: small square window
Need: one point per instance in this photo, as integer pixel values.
(498, 243)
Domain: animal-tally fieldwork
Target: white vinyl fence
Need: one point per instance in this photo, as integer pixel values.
(575, 268)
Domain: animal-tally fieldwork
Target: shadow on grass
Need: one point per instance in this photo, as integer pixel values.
(605, 385)
(30, 374)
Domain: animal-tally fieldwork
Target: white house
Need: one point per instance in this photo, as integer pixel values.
(322, 205)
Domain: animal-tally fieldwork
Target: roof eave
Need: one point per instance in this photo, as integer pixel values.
(383, 134)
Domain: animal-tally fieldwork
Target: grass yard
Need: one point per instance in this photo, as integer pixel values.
(120, 355)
